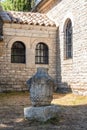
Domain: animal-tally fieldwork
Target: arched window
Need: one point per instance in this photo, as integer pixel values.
(41, 56)
(18, 52)
(68, 39)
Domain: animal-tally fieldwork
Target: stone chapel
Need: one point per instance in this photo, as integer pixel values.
(54, 36)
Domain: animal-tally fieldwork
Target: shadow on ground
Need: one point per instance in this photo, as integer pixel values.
(73, 115)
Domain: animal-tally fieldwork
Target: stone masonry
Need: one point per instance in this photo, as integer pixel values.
(13, 76)
(71, 73)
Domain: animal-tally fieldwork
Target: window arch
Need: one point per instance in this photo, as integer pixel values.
(68, 39)
(18, 52)
(41, 56)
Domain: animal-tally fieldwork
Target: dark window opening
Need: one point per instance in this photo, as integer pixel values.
(41, 54)
(68, 40)
(18, 53)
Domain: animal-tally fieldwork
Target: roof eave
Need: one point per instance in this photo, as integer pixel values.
(35, 8)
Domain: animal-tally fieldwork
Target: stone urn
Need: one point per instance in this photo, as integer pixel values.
(41, 87)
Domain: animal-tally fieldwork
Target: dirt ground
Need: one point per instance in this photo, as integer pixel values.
(73, 115)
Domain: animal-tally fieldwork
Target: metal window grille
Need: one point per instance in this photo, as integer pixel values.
(18, 53)
(68, 40)
(41, 54)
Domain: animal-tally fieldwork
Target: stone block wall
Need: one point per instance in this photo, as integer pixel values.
(13, 76)
(69, 73)
(72, 72)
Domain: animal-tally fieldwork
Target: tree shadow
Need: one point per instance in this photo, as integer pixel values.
(70, 117)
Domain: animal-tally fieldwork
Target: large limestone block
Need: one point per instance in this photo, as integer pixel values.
(41, 113)
(41, 87)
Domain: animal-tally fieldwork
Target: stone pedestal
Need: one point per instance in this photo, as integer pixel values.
(41, 113)
(41, 87)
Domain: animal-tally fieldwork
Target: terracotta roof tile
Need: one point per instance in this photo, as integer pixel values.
(28, 18)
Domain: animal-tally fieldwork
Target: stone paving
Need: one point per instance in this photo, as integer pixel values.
(72, 117)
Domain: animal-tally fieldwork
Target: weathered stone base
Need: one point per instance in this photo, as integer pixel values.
(41, 113)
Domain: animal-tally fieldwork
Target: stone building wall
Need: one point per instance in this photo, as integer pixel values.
(13, 76)
(69, 73)
(72, 72)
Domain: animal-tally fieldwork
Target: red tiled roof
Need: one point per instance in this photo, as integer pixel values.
(27, 18)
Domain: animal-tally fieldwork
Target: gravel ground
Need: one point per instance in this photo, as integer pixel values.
(73, 114)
